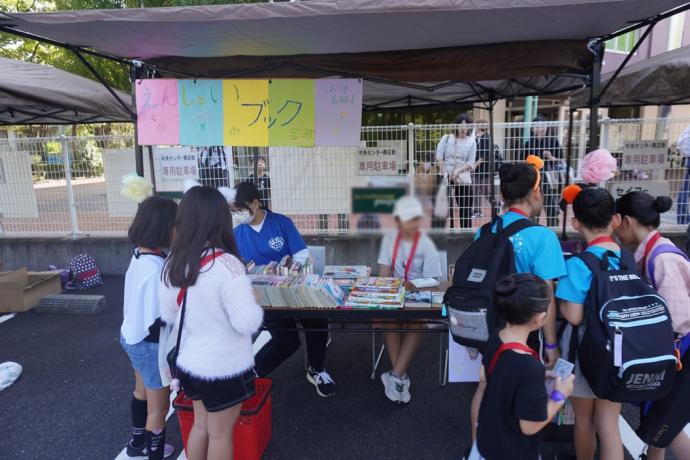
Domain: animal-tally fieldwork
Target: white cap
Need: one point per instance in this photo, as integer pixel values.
(408, 208)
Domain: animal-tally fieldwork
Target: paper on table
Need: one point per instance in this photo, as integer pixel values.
(462, 366)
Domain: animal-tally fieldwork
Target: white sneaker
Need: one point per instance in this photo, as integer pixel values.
(396, 389)
(405, 395)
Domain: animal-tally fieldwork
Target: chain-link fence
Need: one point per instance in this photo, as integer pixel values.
(71, 185)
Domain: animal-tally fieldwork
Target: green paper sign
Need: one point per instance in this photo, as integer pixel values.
(291, 119)
(375, 200)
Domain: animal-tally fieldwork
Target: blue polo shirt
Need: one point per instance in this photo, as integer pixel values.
(537, 249)
(574, 286)
(278, 238)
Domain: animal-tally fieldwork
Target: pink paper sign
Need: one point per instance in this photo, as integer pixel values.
(338, 117)
(158, 112)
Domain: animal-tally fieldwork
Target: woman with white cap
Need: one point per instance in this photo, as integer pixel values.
(409, 254)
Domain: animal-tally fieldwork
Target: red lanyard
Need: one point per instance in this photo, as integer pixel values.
(600, 240)
(413, 251)
(518, 211)
(205, 261)
(510, 346)
(650, 245)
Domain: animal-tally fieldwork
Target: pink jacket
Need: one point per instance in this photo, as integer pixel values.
(672, 278)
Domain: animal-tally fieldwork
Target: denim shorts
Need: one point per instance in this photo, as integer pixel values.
(144, 358)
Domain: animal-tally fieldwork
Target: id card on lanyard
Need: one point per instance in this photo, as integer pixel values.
(410, 258)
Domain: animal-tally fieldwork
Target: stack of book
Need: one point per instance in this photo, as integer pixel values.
(301, 291)
(345, 276)
(286, 267)
(376, 293)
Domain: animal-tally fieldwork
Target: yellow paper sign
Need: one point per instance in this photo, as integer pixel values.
(246, 112)
(291, 120)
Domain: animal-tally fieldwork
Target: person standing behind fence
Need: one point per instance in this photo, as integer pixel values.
(456, 154)
(207, 294)
(262, 182)
(482, 179)
(151, 230)
(548, 149)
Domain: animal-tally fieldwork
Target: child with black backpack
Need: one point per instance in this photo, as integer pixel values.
(516, 405)
(535, 250)
(611, 312)
(668, 269)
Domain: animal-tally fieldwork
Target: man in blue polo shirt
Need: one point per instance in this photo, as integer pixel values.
(263, 236)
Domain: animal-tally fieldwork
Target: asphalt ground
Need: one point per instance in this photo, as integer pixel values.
(72, 401)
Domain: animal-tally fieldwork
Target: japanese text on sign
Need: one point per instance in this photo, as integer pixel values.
(644, 155)
(374, 161)
(178, 166)
(253, 113)
(654, 188)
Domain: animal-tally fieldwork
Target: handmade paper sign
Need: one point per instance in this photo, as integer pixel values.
(201, 112)
(291, 119)
(338, 112)
(158, 114)
(246, 112)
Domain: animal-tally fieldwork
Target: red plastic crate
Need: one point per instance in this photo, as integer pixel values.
(253, 428)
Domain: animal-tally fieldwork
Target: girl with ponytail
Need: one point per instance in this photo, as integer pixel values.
(668, 270)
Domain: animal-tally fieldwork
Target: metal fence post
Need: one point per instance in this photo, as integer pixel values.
(410, 157)
(604, 134)
(70, 191)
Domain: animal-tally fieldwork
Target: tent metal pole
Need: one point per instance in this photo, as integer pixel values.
(597, 49)
(627, 58)
(151, 168)
(645, 22)
(138, 151)
(568, 160)
(492, 159)
(102, 81)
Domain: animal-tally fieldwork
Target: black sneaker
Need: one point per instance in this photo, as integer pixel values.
(140, 452)
(325, 386)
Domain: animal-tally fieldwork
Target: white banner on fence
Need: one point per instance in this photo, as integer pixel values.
(645, 155)
(654, 188)
(377, 161)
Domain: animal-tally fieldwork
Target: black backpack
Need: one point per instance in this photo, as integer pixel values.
(627, 352)
(472, 317)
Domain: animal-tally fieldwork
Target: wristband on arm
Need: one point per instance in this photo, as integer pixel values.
(551, 346)
(557, 396)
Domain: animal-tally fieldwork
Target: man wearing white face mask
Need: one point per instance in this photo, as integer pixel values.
(264, 236)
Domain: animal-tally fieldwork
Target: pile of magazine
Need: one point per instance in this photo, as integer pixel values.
(345, 276)
(376, 293)
(301, 291)
(286, 267)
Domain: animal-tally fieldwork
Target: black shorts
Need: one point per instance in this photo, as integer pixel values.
(217, 395)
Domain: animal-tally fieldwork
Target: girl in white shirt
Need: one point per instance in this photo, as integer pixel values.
(205, 289)
(456, 154)
(408, 254)
(151, 230)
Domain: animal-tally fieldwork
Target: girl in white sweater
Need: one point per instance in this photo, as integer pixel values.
(215, 362)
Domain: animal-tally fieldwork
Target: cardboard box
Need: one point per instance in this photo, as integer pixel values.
(21, 290)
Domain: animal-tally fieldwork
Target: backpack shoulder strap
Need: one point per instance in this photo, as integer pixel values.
(518, 226)
(661, 249)
(592, 262)
(510, 346)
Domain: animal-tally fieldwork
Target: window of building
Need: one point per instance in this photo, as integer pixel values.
(675, 31)
(623, 43)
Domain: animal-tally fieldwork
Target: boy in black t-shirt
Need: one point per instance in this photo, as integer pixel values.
(516, 406)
